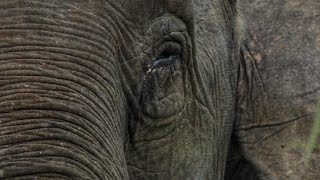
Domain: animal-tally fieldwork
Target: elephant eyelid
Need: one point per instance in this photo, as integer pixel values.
(166, 56)
(163, 61)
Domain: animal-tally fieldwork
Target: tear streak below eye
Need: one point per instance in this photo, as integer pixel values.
(163, 62)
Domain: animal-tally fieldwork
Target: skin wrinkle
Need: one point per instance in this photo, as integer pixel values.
(63, 144)
(91, 153)
(150, 173)
(56, 24)
(38, 55)
(51, 121)
(39, 96)
(90, 21)
(273, 134)
(78, 37)
(183, 148)
(112, 155)
(55, 50)
(64, 170)
(100, 141)
(43, 95)
(43, 126)
(87, 133)
(118, 11)
(270, 124)
(102, 20)
(60, 65)
(159, 41)
(27, 47)
(7, 91)
(39, 155)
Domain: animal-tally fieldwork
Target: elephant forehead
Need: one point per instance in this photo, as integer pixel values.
(142, 11)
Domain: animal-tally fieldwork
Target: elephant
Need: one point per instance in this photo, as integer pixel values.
(117, 89)
(279, 88)
(176, 89)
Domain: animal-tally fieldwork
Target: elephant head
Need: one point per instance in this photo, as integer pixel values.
(107, 89)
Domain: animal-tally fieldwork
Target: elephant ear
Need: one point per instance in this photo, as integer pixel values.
(279, 86)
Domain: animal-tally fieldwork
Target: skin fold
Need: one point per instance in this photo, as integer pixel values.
(142, 90)
(76, 101)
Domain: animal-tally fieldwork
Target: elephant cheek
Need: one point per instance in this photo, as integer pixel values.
(192, 147)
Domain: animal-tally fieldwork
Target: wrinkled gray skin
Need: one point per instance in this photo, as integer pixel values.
(77, 100)
(279, 86)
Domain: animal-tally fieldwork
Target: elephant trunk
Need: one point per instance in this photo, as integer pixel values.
(60, 106)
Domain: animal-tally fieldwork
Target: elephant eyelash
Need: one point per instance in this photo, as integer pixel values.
(168, 55)
(162, 62)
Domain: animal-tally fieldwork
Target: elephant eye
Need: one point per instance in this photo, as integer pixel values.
(163, 61)
(164, 68)
(168, 56)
